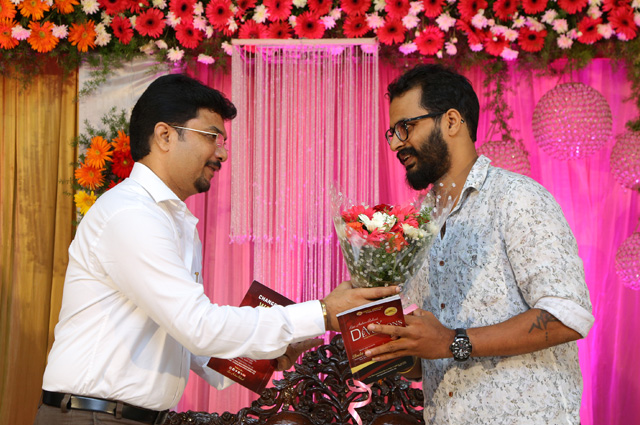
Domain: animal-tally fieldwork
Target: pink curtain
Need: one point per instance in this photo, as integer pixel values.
(601, 213)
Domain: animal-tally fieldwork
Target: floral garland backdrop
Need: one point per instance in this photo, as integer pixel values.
(178, 30)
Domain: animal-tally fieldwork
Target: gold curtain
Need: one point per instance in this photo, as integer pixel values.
(36, 213)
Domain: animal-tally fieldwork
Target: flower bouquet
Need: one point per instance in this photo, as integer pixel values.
(384, 244)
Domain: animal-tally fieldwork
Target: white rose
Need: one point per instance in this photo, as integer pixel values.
(413, 232)
(379, 221)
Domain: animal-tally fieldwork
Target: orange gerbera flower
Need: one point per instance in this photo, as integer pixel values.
(83, 36)
(6, 41)
(42, 39)
(89, 177)
(33, 9)
(7, 9)
(98, 153)
(121, 143)
(65, 6)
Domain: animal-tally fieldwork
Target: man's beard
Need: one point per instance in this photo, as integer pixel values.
(432, 161)
(202, 184)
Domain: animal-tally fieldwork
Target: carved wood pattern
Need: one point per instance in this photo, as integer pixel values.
(316, 393)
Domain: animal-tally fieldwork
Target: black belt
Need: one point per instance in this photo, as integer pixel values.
(139, 414)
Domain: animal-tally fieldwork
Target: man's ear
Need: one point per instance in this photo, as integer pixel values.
(162, 134)
(453, 121)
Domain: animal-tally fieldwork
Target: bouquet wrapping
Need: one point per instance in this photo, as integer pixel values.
(386, 244)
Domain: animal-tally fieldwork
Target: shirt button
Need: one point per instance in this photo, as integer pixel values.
(441, 262)
(442, 305)
(450, 394)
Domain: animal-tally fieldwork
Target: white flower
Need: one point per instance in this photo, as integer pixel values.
(149, 48)
(133, 21)
(160, 4)
(439, 54)
(511, 35)
(534, 24)
(509, 54)
(621, 36)
(594, 12)
(200, 23)
(595, 2)
(260, 13)
(292, 21)
(103, 38)
(161, 44)
(549, 16)
(375, 21)
(476, 47)
(479, 20)
(227, 47)
(336, 13)
(105, 18)
(328, 22)
(408, 48)
(300, 3)
(416, 7)
(202, 58)
(450, 48)
(60, 31)
(432, 228)
(635, 4)
(605, 30)
(172, 19)
(234, 9)
(498, 29)
(560, 26)
(175, 54)
(198, 9)
(208, 31)
(413, 232)
(380, 220)
(564, 42)
(410, 21)
(16, 2)
(574, 34)
(636, 18)
(232, 24)
(20, 33)
(519, 21)
(90, 6)
(445, 21)
(379, 5)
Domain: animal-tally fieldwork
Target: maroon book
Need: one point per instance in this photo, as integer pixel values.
(357, 338)
(253, 374)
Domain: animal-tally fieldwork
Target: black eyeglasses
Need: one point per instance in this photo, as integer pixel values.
(401, 129)
(212, 136)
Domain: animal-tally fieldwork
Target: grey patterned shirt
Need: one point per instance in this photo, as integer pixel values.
(507, 248)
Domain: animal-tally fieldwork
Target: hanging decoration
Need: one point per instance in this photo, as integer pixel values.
(510, 156)
(307, 121)
(628, 261)
(572, 121)
(625, 160)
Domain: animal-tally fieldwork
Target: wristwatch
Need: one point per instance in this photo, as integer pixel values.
(461, 346)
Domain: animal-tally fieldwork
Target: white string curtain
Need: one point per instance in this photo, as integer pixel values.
(307, 121)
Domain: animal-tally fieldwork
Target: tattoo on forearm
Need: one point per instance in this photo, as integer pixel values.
(541, 322)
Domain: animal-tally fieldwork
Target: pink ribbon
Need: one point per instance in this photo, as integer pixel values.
(359, 387)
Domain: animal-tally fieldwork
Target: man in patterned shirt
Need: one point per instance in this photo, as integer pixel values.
(504, 294)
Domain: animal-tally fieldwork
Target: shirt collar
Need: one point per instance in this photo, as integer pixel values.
(475, 179)
(158, 190)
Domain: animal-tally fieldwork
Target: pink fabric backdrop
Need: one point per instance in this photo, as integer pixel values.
(601, 213)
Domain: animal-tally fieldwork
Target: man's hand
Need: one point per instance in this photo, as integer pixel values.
(424, 337)
(345, 297)
(294, 351)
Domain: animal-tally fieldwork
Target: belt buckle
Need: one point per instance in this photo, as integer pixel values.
(161, 418)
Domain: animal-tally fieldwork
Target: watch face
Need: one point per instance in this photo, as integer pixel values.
(461, 349)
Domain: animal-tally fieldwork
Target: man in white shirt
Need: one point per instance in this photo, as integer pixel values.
(134, 318)
(503, 294)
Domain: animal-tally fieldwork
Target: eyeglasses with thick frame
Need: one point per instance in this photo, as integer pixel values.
(213, 135)
(401, 129)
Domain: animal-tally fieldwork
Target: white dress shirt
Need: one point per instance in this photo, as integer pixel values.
(134, 317)
(507, 248)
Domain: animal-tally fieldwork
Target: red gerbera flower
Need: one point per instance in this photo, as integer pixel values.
(474, 35)
(622, 22)
(430, 40)
(589, 29)
(469, 8)
(252, 29)
(319, 7)
(6, 40)
(121, 27)
(137, 6)
(113, 183)
(122, 164)
(280, 30)
(432, 8)
(391, 32)
(530, 40)
(182, 8)
(355, 26)
(531, 7)
(150, 22)
(187, 35)
(608, 5)
(218, 13)
(504, 9)
(279, 10)
(243, 5)
(495, 44)
(113, 7)
(355, 7)
(309, 26)
(397, 9)
(572, 6)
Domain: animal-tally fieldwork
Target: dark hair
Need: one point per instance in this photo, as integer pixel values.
(442, 89)
(173, 99)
